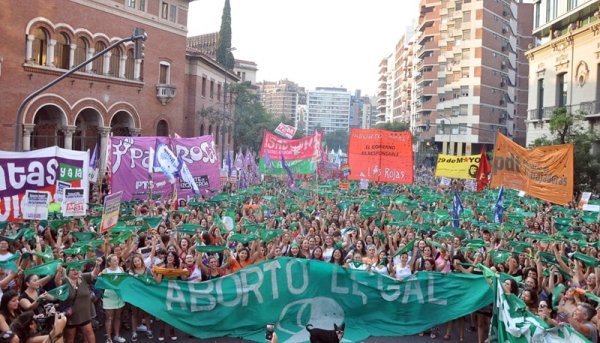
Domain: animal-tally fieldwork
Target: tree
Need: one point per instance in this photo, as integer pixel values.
(568, 128)
(224, 54)
(393, 126)
(251, 118)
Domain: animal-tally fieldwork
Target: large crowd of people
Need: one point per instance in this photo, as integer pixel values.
(548, 252)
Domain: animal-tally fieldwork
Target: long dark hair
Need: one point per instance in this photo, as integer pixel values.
(21, 326)
(6, 297)
(175, 259)
(341, 261)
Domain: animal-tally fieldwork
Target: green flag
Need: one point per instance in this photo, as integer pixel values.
(210, 248)
(48, 268)
(84, 236)
(243, 238)
(11, 262)
(61, 293)
(78, 264)
(407, 248)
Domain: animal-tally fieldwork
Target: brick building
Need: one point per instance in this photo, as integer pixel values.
(116, 94)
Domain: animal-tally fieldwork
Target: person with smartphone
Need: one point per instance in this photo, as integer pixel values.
(270, 335)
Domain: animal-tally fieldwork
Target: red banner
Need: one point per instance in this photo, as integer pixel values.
(379, 155)
(292, 149)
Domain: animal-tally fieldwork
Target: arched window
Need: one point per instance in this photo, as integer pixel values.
(81, 50)
(99, 62)
(201, 129)
(62, 51)
(40, 46)
(129, 65)
(115, 62)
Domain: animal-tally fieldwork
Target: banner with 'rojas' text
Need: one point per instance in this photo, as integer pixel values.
(544, 172)
(130, 165)
(380, 155)
(48, 170)
(294, 292)
(457, 167)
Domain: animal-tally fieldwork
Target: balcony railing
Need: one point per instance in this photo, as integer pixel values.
(587, 108)
(165, 93)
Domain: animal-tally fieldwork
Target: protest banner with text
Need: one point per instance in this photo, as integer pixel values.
(73, 202)
(380, 155)
(544, 172)
(294, 292)
(39, 170)
(457, 167)
(301, 155)
(132, 172)
(286, 131)
(112, 206)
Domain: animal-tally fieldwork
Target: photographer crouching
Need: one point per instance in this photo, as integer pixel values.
(27, 326)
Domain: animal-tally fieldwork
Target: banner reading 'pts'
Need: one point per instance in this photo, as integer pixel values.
(380, 155)
(544, 172)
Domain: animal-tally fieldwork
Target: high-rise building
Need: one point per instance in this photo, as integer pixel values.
(328, 109)
(470, 64)
(402, 88)
(282, 98)
(564, 67)
(426, 51)
(385, 89)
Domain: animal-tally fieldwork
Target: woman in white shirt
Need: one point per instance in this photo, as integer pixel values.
(402, 269)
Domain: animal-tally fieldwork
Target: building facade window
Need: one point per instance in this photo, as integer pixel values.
(212, 89)
(81, 50)
(164, 11)
(203, 89)
(62, 51)
(540, 97)
(536, 10)
(115, 60)
(164, 76)
(40, 46)
(561, 90)
(130, 65)
(168, 12)
(99, 62)
(137, 4)
(219, 92)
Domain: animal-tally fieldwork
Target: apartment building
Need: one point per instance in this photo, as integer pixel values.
(402, 89)
(470, 73)
(282, 98)
(328, 109)
(116, 94)
(385, 89)
(564, 64)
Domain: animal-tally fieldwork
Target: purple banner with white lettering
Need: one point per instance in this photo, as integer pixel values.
(130, 160)
(39, 170)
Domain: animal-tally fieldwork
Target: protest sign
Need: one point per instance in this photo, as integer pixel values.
(74, 202)
(131, 160)
(35, 205)
(112, 206)
(286, 131)
(544, 172)
(38, 170)
(60, 190)
(585, 198)
(381, 156)
(457, 167)
(301, 154)
(294, 292)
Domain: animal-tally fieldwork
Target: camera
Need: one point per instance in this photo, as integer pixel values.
(270, 329)
(45, 321)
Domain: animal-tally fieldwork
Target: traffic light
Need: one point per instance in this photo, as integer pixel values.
(139, 39)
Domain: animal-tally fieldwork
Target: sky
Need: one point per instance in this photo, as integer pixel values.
(315, 43)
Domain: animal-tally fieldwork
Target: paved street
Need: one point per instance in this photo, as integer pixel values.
(184, 338)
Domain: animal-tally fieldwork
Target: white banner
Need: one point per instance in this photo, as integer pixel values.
(73, 204)
(286, 131)
(166, 160)
(35, 205)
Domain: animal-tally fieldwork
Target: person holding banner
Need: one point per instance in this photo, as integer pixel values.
(80, 299)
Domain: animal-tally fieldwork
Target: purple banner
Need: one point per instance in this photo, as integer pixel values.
(130, 166)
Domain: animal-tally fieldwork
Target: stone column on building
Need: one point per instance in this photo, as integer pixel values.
(135, 132)
(104, 132)
(72, 55)
(69, 130)
(106, 65)
(122, 66)
(90, 54)
(50, 53)
(29, 50)
(27, 131)
(137, 69)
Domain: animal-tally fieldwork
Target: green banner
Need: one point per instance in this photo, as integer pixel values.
(294, 292)
(306, 166)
